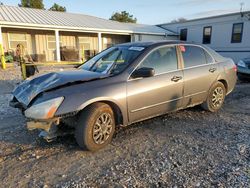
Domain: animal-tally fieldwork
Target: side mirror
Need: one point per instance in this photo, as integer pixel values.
(143, 72)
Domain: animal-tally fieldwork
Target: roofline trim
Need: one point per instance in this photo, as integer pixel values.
(173, 33)
(210, 17)
(79, 29)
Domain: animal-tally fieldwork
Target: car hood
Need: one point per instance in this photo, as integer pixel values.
(29, 89)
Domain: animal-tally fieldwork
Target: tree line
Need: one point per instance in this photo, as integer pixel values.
(39, 5)
(117, 16)
(122, 16)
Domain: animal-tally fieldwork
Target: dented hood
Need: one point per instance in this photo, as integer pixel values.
(29, 89)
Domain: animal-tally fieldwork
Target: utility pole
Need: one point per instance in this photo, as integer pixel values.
(241, 8)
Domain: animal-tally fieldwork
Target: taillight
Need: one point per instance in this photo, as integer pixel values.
(235, 68)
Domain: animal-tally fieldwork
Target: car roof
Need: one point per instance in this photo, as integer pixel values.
(152, 43)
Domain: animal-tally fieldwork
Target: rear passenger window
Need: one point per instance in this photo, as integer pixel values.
(193, 56)
(161, 60)
(208, 57)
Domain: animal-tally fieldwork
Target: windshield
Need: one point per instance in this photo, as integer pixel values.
(113, 60)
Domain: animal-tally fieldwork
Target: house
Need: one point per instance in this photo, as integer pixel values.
(45, 34)
(227, 34)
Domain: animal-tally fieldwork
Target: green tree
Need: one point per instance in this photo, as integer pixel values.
(123, 17)
(57, 7)
(179, 20)
(32, 4)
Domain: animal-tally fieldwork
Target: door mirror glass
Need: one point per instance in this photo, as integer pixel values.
(143, 72)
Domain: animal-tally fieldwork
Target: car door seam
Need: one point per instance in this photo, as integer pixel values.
(195, 94)
(154, 105)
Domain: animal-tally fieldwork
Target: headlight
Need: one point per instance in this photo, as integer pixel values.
(241, 63)
(44, 110)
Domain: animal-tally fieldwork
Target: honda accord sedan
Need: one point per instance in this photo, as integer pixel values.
(124, 84)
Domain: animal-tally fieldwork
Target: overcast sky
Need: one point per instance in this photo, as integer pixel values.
(148, 11)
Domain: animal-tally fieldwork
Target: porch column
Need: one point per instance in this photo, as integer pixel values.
(99, 42)
(58, 55)
(1, 35)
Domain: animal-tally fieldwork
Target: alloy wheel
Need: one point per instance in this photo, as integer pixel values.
(218, 97)
(102, 128)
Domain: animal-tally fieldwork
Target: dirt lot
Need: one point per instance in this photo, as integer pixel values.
(189, 148)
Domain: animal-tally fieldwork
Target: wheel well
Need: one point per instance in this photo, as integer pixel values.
(117, 112)
(115, 108)
(225, 84)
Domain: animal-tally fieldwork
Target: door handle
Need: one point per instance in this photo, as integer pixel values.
(176, 78)
(212, 70)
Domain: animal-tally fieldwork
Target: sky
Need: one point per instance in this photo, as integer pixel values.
(148, 11)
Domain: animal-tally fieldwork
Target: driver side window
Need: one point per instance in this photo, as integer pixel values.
(161, 60)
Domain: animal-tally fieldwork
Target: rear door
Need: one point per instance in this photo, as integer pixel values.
(200, 72)
(152, 96)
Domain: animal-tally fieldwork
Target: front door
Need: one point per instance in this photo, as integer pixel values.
(152, 96)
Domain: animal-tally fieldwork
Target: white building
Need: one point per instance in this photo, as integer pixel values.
(227, 34)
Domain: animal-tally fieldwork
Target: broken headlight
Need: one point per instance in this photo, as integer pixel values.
(44, 110)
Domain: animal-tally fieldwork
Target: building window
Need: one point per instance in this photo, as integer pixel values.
(84, 43)
(140, 38)
(51, 42)
(183, 34)
(108, 42)
(17, 38)
(207, 33)
(237, 33)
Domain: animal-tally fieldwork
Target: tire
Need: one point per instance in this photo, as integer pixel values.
(95, 127)
(215, 98)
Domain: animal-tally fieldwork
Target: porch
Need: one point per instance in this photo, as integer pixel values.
(47, 45)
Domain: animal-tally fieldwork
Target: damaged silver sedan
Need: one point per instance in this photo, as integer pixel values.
(122, 85)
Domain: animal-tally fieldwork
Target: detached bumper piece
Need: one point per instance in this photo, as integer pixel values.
(49, 128)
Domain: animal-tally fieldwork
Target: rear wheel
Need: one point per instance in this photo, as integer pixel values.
(95, 127)
(215, 98)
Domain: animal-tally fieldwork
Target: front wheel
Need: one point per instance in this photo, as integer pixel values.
(215, 98)
(95, 127)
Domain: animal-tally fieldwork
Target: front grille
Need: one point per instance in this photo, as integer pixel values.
(14, 99)
(16, 104)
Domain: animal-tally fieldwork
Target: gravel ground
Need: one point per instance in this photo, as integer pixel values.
(189, 148)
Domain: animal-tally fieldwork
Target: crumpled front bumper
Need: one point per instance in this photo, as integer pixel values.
(49, 128)
(44, 125)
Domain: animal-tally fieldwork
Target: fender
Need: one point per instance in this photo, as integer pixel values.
(107, 100)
